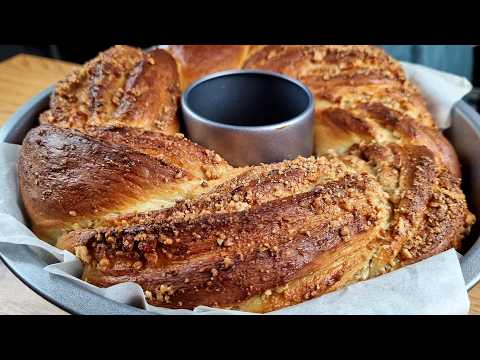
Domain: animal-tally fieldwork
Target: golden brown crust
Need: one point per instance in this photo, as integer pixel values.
(172, 149)
(138, 202)
(71, 179)
(429, 210)
(214, 253)
(250, 187)
(362, 95)
(122, 86)
(196, 61)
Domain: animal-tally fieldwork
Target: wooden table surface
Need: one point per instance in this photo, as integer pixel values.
(22, 77)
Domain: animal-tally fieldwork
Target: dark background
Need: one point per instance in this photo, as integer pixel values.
(83, 53)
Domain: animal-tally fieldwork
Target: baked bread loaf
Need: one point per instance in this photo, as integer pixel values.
(122, 86)
(136, 201)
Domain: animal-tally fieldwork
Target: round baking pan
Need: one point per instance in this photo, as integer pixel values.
(28, 263)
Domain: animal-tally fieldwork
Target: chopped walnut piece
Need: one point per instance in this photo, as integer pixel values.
(164, 292)
(227, 262)
(168, 241)
(137, 265)
(345, 231)
(148, 295)
(103, 264)
(82, 253)
(407, 254)
(217, 159)
(151, 258)
(228, 243)
(150, 60)
(140, 237)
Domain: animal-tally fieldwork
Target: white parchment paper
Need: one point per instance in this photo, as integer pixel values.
(433, 286)
(440, 89)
